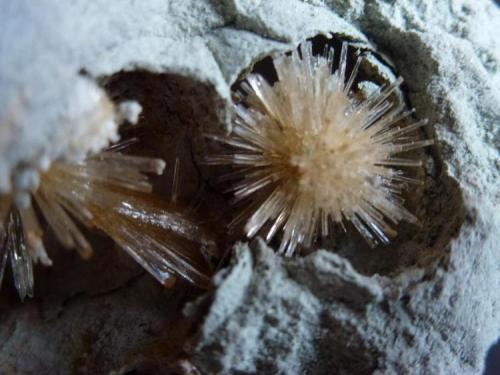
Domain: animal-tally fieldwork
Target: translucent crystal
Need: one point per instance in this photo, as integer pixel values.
(305, 152)
(22, 267)
(3, 256)
(108, 191)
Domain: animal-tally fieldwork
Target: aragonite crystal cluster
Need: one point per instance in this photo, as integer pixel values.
(307, 153)
(109, 191)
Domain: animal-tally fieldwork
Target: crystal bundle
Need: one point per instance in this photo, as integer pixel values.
(306, 153)
(108, 191)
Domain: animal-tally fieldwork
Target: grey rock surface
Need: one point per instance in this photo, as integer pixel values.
(429, 304)
(90, 318)
(318, 315)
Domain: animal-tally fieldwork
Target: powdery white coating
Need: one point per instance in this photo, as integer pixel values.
(130, 110)
(47, 107)
(85, 117)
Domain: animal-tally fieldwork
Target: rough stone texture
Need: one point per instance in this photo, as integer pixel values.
(429, 304)
(318, 315)
(91, 318)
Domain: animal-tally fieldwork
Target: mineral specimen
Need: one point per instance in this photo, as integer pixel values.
(307, 152)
